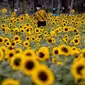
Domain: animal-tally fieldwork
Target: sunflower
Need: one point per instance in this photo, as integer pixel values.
(1, 40)
(33, 38)
(28, 38)
(4, 10)
(16, 38)
(43, 53)
(13, 44)
(10, 81)
(26, 43)
(66, 29)
(15, 61)
(29, 53)
(18, 51)
(10, 47)
(13, 14)
(75, 51)
(29, 65)
(8, 43)
(45, 33)
(49, 40)
(1, 54)
(10, 54)
(76, 41)
(4, 49)
(55, 51)
(64, 50)
(54, 60)
(37, 30)
(43, 75)
(6, 39)
(77, 68)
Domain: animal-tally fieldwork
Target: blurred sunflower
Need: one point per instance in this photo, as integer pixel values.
(29, 65)
(55, 51)
(29, 53)
(64, 50)
(43, 76)
(4, 10)
(43, 54)
(16, 61)
(10, 81)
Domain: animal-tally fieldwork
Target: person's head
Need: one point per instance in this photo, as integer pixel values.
(38, 7)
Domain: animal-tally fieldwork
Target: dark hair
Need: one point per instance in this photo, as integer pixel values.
(39, 5)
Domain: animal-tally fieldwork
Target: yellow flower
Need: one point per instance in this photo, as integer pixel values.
(29, 53)
(43, 75)
(16, 61)
(55, 51)
(29, 65)
(10, 82)
(77, 68)
(72, 11)
(4, 10)
(26, 43)
(1, 54)
(43, 54)
(64, 50)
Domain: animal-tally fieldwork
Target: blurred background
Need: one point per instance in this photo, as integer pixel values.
(28, 6)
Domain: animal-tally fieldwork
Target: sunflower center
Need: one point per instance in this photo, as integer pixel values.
(41, 55)
(9, 84)
(76, 41)
(29, 65)
(0, 40)
(50, 40)
(13, 44)
(84, 54)
(79, 80)
(16, 38)
(65, 50)
(28, 54)
(43, 76)
(56, 51)
(17, 61)
(66, 29)
(11, 54)
(79, 69)
(26, 43)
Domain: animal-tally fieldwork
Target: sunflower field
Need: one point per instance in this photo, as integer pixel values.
(50, 55)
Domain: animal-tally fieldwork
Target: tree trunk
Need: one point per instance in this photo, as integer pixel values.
(59, 6)
(72, 2)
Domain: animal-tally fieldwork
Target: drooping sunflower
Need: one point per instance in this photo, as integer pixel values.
(43, 75)
(29, 65)
(43, 54)
(10, 82)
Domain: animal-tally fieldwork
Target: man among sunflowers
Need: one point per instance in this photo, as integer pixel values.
(41, 16)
